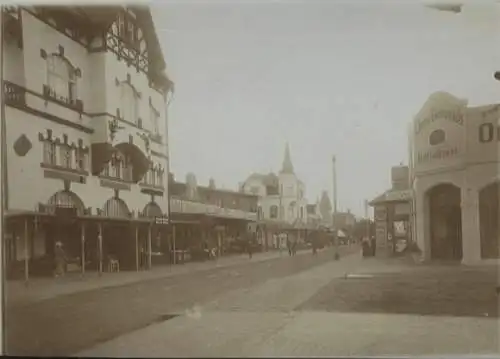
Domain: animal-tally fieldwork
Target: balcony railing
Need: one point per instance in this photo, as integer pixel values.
(178, 205)
(15, 95)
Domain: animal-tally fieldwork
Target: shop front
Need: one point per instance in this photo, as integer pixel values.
(456, 160)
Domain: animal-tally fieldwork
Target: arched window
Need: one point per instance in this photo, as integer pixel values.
(151, 210)
(259, 212)
(61, 78)
(116, 207)
(66, 199)
(128, 103)
(273, 212)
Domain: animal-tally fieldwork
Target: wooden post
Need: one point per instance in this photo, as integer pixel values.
(149, 245)
(137, 247)
(99, 244)
(83, 249)
(26, 252)
(173, 240)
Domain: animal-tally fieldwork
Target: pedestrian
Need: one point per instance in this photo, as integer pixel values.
(60, 259)
(365, 244)
(249, 249)
(373, 245)
(289, 246)
(314, 246)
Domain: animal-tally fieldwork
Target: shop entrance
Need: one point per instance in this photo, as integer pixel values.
(445, 222)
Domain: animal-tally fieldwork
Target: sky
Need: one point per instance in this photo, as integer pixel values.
(328, 77)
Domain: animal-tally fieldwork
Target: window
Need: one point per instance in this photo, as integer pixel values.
(49, 153)
(66, 156)
(260, 214)
(155, 120)
(129, 103)
(273, 211)
(119, 167)
(437, 137)
(301, 212)
(81, 160)
(61, 79)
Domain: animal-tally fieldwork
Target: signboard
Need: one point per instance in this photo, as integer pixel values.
(439, 133)
(162, 220)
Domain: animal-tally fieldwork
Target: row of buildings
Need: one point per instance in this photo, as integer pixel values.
(86, 153)
(446, 201)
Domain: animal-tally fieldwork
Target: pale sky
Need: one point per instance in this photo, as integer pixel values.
(329, 77)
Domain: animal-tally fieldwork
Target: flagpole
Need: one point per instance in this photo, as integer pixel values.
(335, 230)
(3, 184)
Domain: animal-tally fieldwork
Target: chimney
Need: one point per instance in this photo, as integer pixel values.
(211, 183)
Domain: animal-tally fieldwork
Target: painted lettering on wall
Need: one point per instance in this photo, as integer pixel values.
(455, 116)
(489, 132)
(439, 154)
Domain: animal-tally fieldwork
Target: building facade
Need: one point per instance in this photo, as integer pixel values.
(86, 96)
(205, 217)
(282, 202)
(455, 179)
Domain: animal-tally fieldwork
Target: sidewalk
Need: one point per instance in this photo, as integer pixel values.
(45, 288)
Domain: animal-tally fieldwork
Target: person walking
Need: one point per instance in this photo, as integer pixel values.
(60, 259)
(249, 249)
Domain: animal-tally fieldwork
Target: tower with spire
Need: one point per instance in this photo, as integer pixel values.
(287, 167)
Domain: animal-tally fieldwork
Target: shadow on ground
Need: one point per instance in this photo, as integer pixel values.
(435, 290)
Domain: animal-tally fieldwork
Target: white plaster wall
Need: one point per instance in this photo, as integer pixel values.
(13, 63)
(27, 185)
(97, 89)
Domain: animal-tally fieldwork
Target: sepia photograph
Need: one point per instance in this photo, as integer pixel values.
(250, 178)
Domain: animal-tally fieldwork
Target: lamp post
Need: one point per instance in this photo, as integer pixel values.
(335, 233)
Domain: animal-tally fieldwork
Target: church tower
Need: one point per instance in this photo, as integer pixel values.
(287, 162)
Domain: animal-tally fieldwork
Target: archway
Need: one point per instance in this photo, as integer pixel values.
(445, 215)
(489, 221)
(66, 206)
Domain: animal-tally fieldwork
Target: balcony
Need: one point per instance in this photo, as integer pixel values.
(178, 205)
(15, 95)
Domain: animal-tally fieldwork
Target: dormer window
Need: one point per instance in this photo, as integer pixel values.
(127, 29)
(61, 79)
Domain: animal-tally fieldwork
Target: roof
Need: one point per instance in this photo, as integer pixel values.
(267, 180)
(392, 196)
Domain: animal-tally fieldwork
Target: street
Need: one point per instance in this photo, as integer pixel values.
(302, 315)
(69, 323)
(304, 305)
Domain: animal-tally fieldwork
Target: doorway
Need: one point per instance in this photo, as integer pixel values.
(445, 222)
